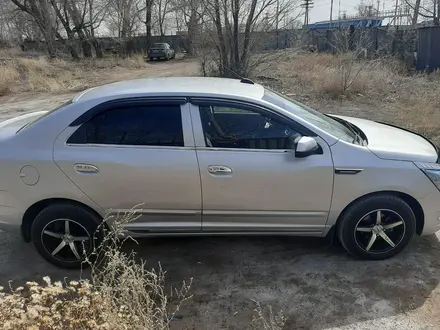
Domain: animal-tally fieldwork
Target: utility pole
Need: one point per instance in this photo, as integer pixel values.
(307, 5)
(378, 8)
(436, 12)
(331, 13)
(339, 14)
(395, 14)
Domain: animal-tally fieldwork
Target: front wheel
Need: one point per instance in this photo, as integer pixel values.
(377, 227)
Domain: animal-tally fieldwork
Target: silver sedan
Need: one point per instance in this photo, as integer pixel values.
(209, 156)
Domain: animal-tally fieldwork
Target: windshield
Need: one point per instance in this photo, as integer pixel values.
(45, 115)
(314, 117)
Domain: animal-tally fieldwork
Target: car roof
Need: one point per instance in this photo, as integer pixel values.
(174, 86)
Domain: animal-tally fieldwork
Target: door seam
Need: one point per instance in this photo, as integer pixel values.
(198, 165)
(97, 206)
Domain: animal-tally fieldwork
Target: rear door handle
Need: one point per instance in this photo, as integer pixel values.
(86, 168)
(219, 169)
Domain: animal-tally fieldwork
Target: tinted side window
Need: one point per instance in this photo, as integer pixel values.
(229, 127)
(152, 125)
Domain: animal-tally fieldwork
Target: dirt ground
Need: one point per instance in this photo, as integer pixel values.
(316, 285)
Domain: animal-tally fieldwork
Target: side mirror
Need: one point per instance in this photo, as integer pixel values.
(307, 146)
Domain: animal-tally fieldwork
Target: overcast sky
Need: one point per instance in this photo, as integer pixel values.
(321, 9)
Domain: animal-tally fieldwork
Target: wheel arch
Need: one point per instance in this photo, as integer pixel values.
(35, 209)
(411, 201)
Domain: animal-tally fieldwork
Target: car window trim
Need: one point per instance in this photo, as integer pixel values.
(136, 101)
(218, 149)
(246, 105)
(127, 146)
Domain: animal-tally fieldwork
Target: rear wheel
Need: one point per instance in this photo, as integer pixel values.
(65, 234)
(377, 227)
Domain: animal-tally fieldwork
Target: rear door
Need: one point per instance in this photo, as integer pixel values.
(136, 154)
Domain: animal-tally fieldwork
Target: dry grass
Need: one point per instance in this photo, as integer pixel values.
(341, 76)
(266, 319)
(8, 74)
(382, 87)
(10, 52)
(122, 295)
(39, 74)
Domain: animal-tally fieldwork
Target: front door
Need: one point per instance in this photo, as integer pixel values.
(137, 156)
(251, 180)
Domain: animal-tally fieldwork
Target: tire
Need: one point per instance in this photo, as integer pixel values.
(151, 59)
(49, 231)
(359, 223)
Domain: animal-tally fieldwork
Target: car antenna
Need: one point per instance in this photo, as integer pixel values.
(247, 81)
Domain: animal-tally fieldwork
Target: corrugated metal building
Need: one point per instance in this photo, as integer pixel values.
(357, 23)
(428, 50)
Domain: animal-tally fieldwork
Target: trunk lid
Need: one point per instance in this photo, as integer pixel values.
(13, 125)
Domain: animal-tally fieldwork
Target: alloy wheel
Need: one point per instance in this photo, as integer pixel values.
(66, 240)
(379, 231)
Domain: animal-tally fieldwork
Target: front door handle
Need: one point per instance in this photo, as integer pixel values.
(219, 169)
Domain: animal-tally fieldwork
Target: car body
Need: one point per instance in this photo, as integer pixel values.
(212, 156)
(161, 50)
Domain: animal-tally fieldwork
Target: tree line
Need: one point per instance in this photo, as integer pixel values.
(225, 29)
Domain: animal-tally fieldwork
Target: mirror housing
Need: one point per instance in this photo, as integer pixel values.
(306, 146)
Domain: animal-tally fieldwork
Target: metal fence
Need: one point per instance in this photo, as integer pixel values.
(419, 47)
(428, 52)
(137, 44)
(373, 41)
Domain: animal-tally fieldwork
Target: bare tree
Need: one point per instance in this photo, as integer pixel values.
(236, 24)
(126, 19)
(87, 16)
(189, 13)
(416, 12)
(163, 9)
(60, 8)
(97, 12)
(148, 19)
(40, 11)
(78, 19)
(126, 16)
(22, 26)
(428, 9)
(366, 8)
(6, 22)
(78, 16)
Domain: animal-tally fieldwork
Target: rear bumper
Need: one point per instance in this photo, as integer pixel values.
(431, 209)
(11, 212)
(157, 54)
(10, 219)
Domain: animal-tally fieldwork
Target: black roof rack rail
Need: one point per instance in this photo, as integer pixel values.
(246, 81)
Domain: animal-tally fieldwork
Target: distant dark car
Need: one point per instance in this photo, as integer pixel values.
(161, 50)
